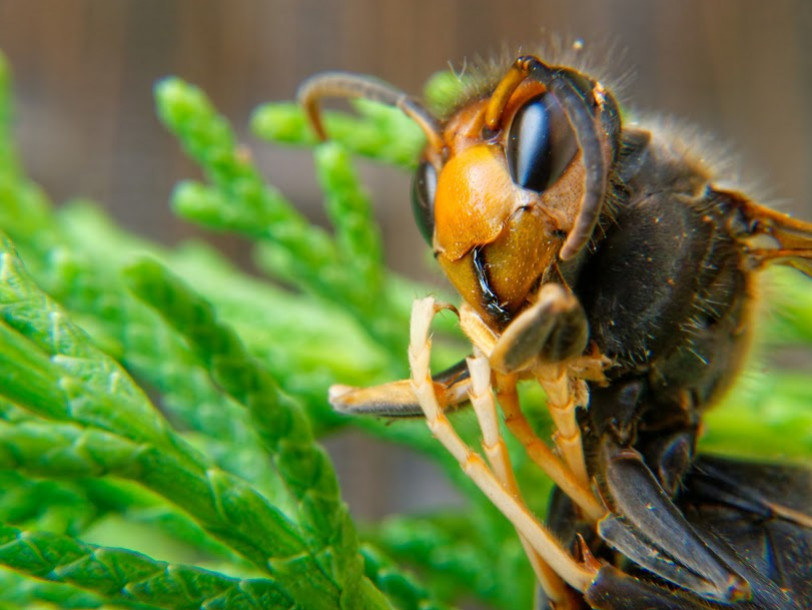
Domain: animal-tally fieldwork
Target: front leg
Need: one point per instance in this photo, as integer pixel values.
(504, 497)
(565, 387)
(545, 339)
(396, 398)
(551, 330)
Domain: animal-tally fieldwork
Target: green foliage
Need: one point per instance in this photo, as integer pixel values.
(160, 411)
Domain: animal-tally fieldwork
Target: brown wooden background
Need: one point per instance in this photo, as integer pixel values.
(740, 69)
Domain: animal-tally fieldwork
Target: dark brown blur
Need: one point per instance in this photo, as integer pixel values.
(84, 71)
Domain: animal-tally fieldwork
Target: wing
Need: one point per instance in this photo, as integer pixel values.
(756, 517)
(772, 237)
(763, 514)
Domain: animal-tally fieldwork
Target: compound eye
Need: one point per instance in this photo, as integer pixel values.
(541, 143)
(424, 187)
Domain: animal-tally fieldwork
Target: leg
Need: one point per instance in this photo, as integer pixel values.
(553, 329)
(396, 399)
(564, 395)
(496, 451)
(541, 454)
(612, 589)
(571, 476)
(545, 338)
(578, 576)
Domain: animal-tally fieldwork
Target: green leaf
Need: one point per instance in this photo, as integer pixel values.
(239, 191)
(381, 133)
(280, 420)
(357, 239)
(120, 575)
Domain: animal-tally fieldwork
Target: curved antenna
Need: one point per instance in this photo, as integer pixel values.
(586, 133)
(348, 85)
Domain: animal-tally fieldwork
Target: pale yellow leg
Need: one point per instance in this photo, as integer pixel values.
(564, 394)
(570, 477)
(496, 451)
(543, 456)
(577, 575)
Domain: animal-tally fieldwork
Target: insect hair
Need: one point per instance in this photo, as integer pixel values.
(478, 76)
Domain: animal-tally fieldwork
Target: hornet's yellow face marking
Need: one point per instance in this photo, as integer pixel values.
(488, 228)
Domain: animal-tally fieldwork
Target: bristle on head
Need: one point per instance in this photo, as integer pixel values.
(477, 77)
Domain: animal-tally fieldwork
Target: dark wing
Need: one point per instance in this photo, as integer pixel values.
(756, 517)
(762, 513)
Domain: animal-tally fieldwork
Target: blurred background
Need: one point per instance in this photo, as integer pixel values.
(740, 70)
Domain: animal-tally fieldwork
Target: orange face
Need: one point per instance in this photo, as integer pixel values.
(494, 238)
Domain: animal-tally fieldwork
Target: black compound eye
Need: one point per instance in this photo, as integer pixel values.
(424, 186)
(541, 143)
